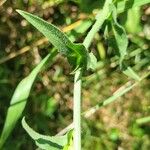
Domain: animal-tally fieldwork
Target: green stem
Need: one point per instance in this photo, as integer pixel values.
(77, 110)
(101, 17)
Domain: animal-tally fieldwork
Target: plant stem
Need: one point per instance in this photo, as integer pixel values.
(102, 15)
(77, 110)
(100, 18)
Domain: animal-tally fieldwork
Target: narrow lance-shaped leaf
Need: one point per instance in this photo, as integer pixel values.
(76, 53)
(54, 35)
(47, 142)
(122, 44)
(19, 99)
(120, 35)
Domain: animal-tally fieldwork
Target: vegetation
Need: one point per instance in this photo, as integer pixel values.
(103, 46)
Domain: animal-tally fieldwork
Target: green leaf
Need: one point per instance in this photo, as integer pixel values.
(92, 62)
(131, 73)
(78, 59)
(47, 142)
(69, 145)
(133, 26)
(120, 36)
(76, 53)
(124, 5)
(19, 99)
(54, 35)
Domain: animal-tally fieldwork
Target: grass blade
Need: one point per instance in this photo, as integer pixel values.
(120, 92)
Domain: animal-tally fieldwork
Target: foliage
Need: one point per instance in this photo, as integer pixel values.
(127, 50)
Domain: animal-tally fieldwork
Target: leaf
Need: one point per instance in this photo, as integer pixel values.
(120, 36)
(69, 145)
(78, 59)
(19, 99)
(124, 5)
(92, 63)
(75, 52)
(133, 26)
(54, 35)
(47, 142)
(131, 73)
(120, 43)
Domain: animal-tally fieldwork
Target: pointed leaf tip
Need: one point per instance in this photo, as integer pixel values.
(76, 53)
(19, 11)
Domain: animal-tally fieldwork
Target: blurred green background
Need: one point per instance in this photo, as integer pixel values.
(49, 107)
